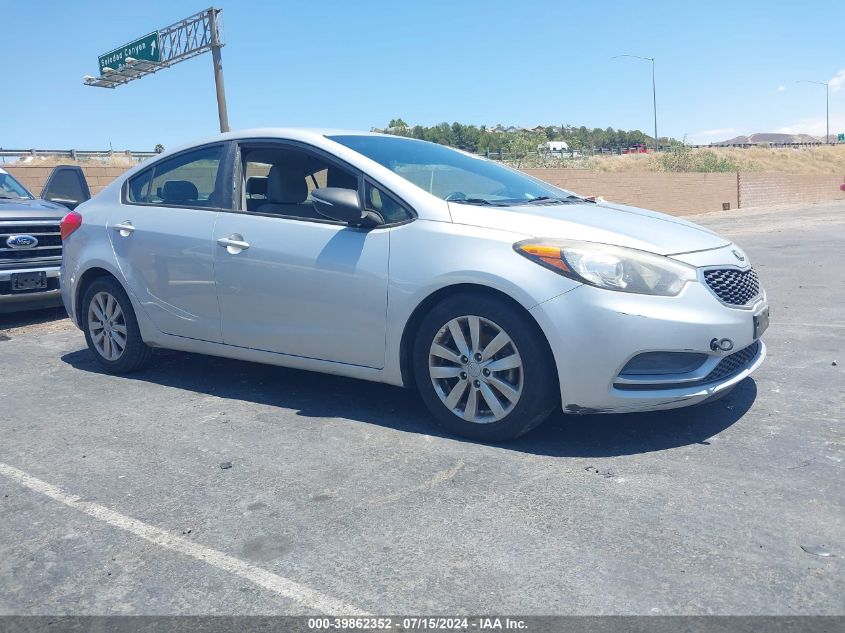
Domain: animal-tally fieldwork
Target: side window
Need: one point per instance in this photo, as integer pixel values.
(67, 186)
(187, 180)
(279, 180)
(255, 189)
(385, 204)
(139, 186)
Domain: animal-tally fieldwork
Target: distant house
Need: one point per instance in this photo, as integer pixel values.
(539, 129)
(553, 147)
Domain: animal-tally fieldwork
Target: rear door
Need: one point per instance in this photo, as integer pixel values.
(163, 239)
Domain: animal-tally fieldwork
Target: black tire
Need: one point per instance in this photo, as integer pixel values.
(540, 390)
(135, 354)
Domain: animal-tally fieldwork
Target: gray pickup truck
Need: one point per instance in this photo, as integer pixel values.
(30, 241)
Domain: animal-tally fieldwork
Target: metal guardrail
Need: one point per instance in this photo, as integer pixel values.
(75, 154)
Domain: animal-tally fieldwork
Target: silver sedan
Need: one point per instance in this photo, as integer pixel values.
(499, 297)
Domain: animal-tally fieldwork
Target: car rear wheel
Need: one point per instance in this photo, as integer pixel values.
(482, 369)
(111, 329)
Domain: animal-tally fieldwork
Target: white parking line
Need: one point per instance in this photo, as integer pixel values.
(277, 584)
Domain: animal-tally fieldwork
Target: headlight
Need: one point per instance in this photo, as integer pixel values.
(610, 267)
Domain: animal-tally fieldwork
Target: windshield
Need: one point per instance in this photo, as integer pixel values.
(11, 188)
(451, 174)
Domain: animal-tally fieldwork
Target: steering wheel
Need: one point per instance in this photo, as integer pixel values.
(456, 196)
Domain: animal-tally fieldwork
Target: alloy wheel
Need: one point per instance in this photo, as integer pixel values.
(476, 369)
(107, 326)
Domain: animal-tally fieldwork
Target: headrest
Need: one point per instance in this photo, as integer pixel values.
(285, 187)
(256, 186)
(338, 178)
(179, 191)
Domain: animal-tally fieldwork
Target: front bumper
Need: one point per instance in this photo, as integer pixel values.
(32, 300)
(593, 333)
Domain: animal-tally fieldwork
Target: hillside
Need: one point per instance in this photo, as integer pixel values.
(810, 160)
(763, 138)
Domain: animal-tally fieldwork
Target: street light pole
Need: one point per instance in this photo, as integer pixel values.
(653, 92)
(826, 104)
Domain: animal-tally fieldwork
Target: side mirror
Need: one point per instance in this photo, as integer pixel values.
(66, 186)
(342, 205)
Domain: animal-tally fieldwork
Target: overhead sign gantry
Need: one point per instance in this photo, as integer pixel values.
(163, 48)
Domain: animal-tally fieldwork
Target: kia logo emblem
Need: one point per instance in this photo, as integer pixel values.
(21, 241)
(739, 255)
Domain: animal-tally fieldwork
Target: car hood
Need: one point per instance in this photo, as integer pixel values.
(30, 209)
(603, 222)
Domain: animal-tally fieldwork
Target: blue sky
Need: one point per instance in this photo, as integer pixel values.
(723, 68)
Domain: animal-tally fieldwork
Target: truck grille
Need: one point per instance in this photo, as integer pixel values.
(47, 251)
(732, 286)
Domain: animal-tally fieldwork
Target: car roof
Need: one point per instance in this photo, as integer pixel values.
(293, 133)
(316, 136)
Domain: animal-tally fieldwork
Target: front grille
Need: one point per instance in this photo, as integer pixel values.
(48, 250)
(733, 364)
(732, 286)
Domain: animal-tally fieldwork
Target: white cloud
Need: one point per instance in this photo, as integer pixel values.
(708, 136)
(815, 126)
(838, 81)
(781, 88)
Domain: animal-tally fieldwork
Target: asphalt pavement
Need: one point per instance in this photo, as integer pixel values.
(212, 486)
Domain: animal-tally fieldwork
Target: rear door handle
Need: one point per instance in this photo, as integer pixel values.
(125, 228)
(233, 244)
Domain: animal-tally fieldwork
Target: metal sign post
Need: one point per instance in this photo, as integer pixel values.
(163, 48)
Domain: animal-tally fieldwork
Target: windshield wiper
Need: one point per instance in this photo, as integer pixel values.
(549, 200)
(472, 201)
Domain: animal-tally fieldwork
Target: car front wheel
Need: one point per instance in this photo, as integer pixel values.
(111, 329)
(483, 369)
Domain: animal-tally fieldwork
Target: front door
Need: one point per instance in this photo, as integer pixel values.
(292, 282)
(163, 239)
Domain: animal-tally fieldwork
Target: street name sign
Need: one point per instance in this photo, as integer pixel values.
(144, 48)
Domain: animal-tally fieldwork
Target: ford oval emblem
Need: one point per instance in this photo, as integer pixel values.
(21, 241)
(739, 255)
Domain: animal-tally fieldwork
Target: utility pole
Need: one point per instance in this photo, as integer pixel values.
(222, 111)
(826, 107)
(653, 92)
(654, 103)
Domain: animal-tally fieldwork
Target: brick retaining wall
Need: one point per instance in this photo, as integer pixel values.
(762, 188)
(33, 177)
(677, 194)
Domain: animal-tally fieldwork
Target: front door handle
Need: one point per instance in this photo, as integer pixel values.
(233, 244)
(125, 228)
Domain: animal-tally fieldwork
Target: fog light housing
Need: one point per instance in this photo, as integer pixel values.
(663, 363)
